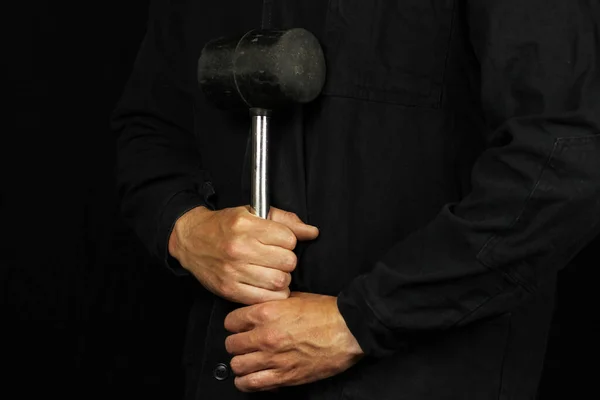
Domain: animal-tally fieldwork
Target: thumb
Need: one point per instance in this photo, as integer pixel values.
(291, 220)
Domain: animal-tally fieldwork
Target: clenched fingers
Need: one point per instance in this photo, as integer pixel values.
(246, 318)
(250, 295)
(258, 361)
(265, 278)
(252, 251)
(268, 379)
(242, 343)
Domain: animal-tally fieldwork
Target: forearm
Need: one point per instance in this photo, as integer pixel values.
(159, 170)
(534, 202)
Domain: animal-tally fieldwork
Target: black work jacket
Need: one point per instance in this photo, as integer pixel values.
(452, 164)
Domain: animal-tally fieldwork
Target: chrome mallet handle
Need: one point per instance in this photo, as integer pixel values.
(260, 162)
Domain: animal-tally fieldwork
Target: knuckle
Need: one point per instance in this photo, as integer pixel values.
(239, 222)
(236, 365)
(228, 327)
(291, 367)
(254, 383)
(291, 261)
(227, 290)
(227, 271)
(281, 281)
(233, 248)
(291, 240)
(292, 215)
(264, 312)
(271, 338)
(231, 274)
(229, 344)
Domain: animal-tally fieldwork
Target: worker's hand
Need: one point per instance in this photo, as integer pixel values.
(237, 255)
(289, 342)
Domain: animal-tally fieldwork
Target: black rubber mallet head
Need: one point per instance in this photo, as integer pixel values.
(265, 69)
(261, 71)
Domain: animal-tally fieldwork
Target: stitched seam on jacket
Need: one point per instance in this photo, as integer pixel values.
(495, 239)
(504, 356)
(447, 57)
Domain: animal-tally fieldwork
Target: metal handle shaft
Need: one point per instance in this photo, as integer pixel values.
(260, 162)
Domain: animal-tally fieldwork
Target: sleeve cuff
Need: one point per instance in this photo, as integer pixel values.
(375, 339)
(179, 204)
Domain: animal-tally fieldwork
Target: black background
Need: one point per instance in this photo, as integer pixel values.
(84, 312)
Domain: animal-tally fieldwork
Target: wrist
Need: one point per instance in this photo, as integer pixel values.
(353, 346)
(181, 228)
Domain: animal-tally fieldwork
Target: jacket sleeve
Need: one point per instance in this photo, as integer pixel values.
(159, 170)
(535, 198)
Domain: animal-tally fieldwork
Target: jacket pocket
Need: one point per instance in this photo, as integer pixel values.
(389, 51)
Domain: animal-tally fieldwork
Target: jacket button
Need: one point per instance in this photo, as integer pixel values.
(221, 372)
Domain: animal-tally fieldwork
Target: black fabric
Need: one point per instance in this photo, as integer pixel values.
(534, 202)
(86, 312)
(452, 166)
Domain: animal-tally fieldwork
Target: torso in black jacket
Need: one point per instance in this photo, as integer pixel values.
(452, 165)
